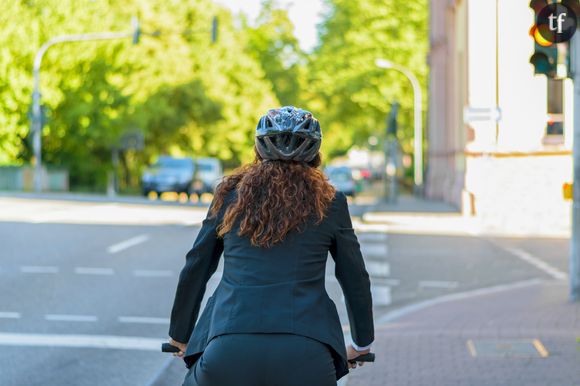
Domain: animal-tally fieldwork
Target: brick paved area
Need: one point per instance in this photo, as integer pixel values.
(430, 346)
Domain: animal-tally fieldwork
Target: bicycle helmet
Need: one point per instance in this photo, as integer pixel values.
(288, 134)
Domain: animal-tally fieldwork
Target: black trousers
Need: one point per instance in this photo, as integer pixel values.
(263, 360)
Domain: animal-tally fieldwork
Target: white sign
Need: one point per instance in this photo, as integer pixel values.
(481, 114)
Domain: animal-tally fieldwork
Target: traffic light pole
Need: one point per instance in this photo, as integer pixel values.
(575, 239)
(36, 111)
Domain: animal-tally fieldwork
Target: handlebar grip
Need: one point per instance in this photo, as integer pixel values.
(166, 347)
(369, 357)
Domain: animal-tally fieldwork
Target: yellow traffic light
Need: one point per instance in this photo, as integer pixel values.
(535, 33)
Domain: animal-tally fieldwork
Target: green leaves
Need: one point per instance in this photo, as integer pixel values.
(189, 96)
(186, 95)
(354, 94)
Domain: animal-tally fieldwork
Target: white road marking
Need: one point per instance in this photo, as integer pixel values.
(363, 227)
(81, 341)
(9, 315)
(371, 237)
(38, 269)
(406, 310)
(116, 248)
(377, 268)
(152, 273)
(70, 318)
(143, 319)
(438, 284)
(94, 271)
(381, 295)
(374, 250)
(536, 262)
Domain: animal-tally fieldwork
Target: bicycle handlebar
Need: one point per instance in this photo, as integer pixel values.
(369, 357)
(167, 347)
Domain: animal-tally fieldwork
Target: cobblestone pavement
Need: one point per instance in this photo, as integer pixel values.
(514, 335)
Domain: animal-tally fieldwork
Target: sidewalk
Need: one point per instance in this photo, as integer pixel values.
(411, 204)
(512, 335)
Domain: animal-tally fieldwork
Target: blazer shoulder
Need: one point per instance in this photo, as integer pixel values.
(338, 207)
(339, 201)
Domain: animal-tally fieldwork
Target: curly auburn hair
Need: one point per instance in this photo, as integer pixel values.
(274, 198)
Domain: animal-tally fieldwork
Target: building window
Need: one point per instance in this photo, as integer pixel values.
(555, 119)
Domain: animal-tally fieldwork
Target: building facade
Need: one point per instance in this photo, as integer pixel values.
(499, 137)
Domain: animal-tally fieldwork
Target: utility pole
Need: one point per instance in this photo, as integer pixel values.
(575, 239)
(36, 110)
(392, 155)
(417, 117)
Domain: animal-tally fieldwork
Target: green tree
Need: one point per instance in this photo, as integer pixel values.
(187, 96)
(273, 43)
(351, 96)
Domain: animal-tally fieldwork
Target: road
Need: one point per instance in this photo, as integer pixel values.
(86, 286)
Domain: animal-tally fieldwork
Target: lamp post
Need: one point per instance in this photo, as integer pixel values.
(418, 134)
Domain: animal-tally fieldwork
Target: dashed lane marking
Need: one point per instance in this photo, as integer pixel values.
(38, 269)
(81, 341)
(377, 268)
(133, 241)
(373, 237)
(70, 318)
(376, 250)
(10, 315)
(143, 320)
(152, 273)
(381, 295)
(94, 271)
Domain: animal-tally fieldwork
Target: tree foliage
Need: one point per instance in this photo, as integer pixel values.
(184, 94)
(351, 95)
(189, 96)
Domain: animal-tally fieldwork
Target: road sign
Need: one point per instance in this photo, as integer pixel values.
(481, 114)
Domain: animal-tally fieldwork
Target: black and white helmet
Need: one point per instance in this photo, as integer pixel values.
(288, 134)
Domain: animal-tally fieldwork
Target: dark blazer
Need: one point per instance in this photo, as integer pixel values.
(277, 289)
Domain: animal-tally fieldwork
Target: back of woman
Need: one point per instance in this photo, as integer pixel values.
(274, 220)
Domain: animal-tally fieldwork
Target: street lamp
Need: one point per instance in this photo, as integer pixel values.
(418, 135)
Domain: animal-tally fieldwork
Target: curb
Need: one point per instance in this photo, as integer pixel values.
(406, 310)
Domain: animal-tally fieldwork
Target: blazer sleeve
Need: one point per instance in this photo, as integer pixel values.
(352, 276)
(200, 263)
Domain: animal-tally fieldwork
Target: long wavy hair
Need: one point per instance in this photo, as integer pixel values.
(273, 198)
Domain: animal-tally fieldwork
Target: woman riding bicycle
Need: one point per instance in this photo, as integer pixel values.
(270, 320)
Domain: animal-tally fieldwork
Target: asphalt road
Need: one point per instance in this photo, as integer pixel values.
(86, 287)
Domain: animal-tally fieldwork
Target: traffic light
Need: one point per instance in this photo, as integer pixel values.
(545, 57)
(136, 29)
(214, 29)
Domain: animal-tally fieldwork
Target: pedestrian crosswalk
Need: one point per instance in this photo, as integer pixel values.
(375, 250)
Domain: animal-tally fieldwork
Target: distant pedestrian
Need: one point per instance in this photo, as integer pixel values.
(270, 321)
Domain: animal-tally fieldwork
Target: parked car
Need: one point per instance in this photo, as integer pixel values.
(341, 178)
(169, 174)
(209, 172)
